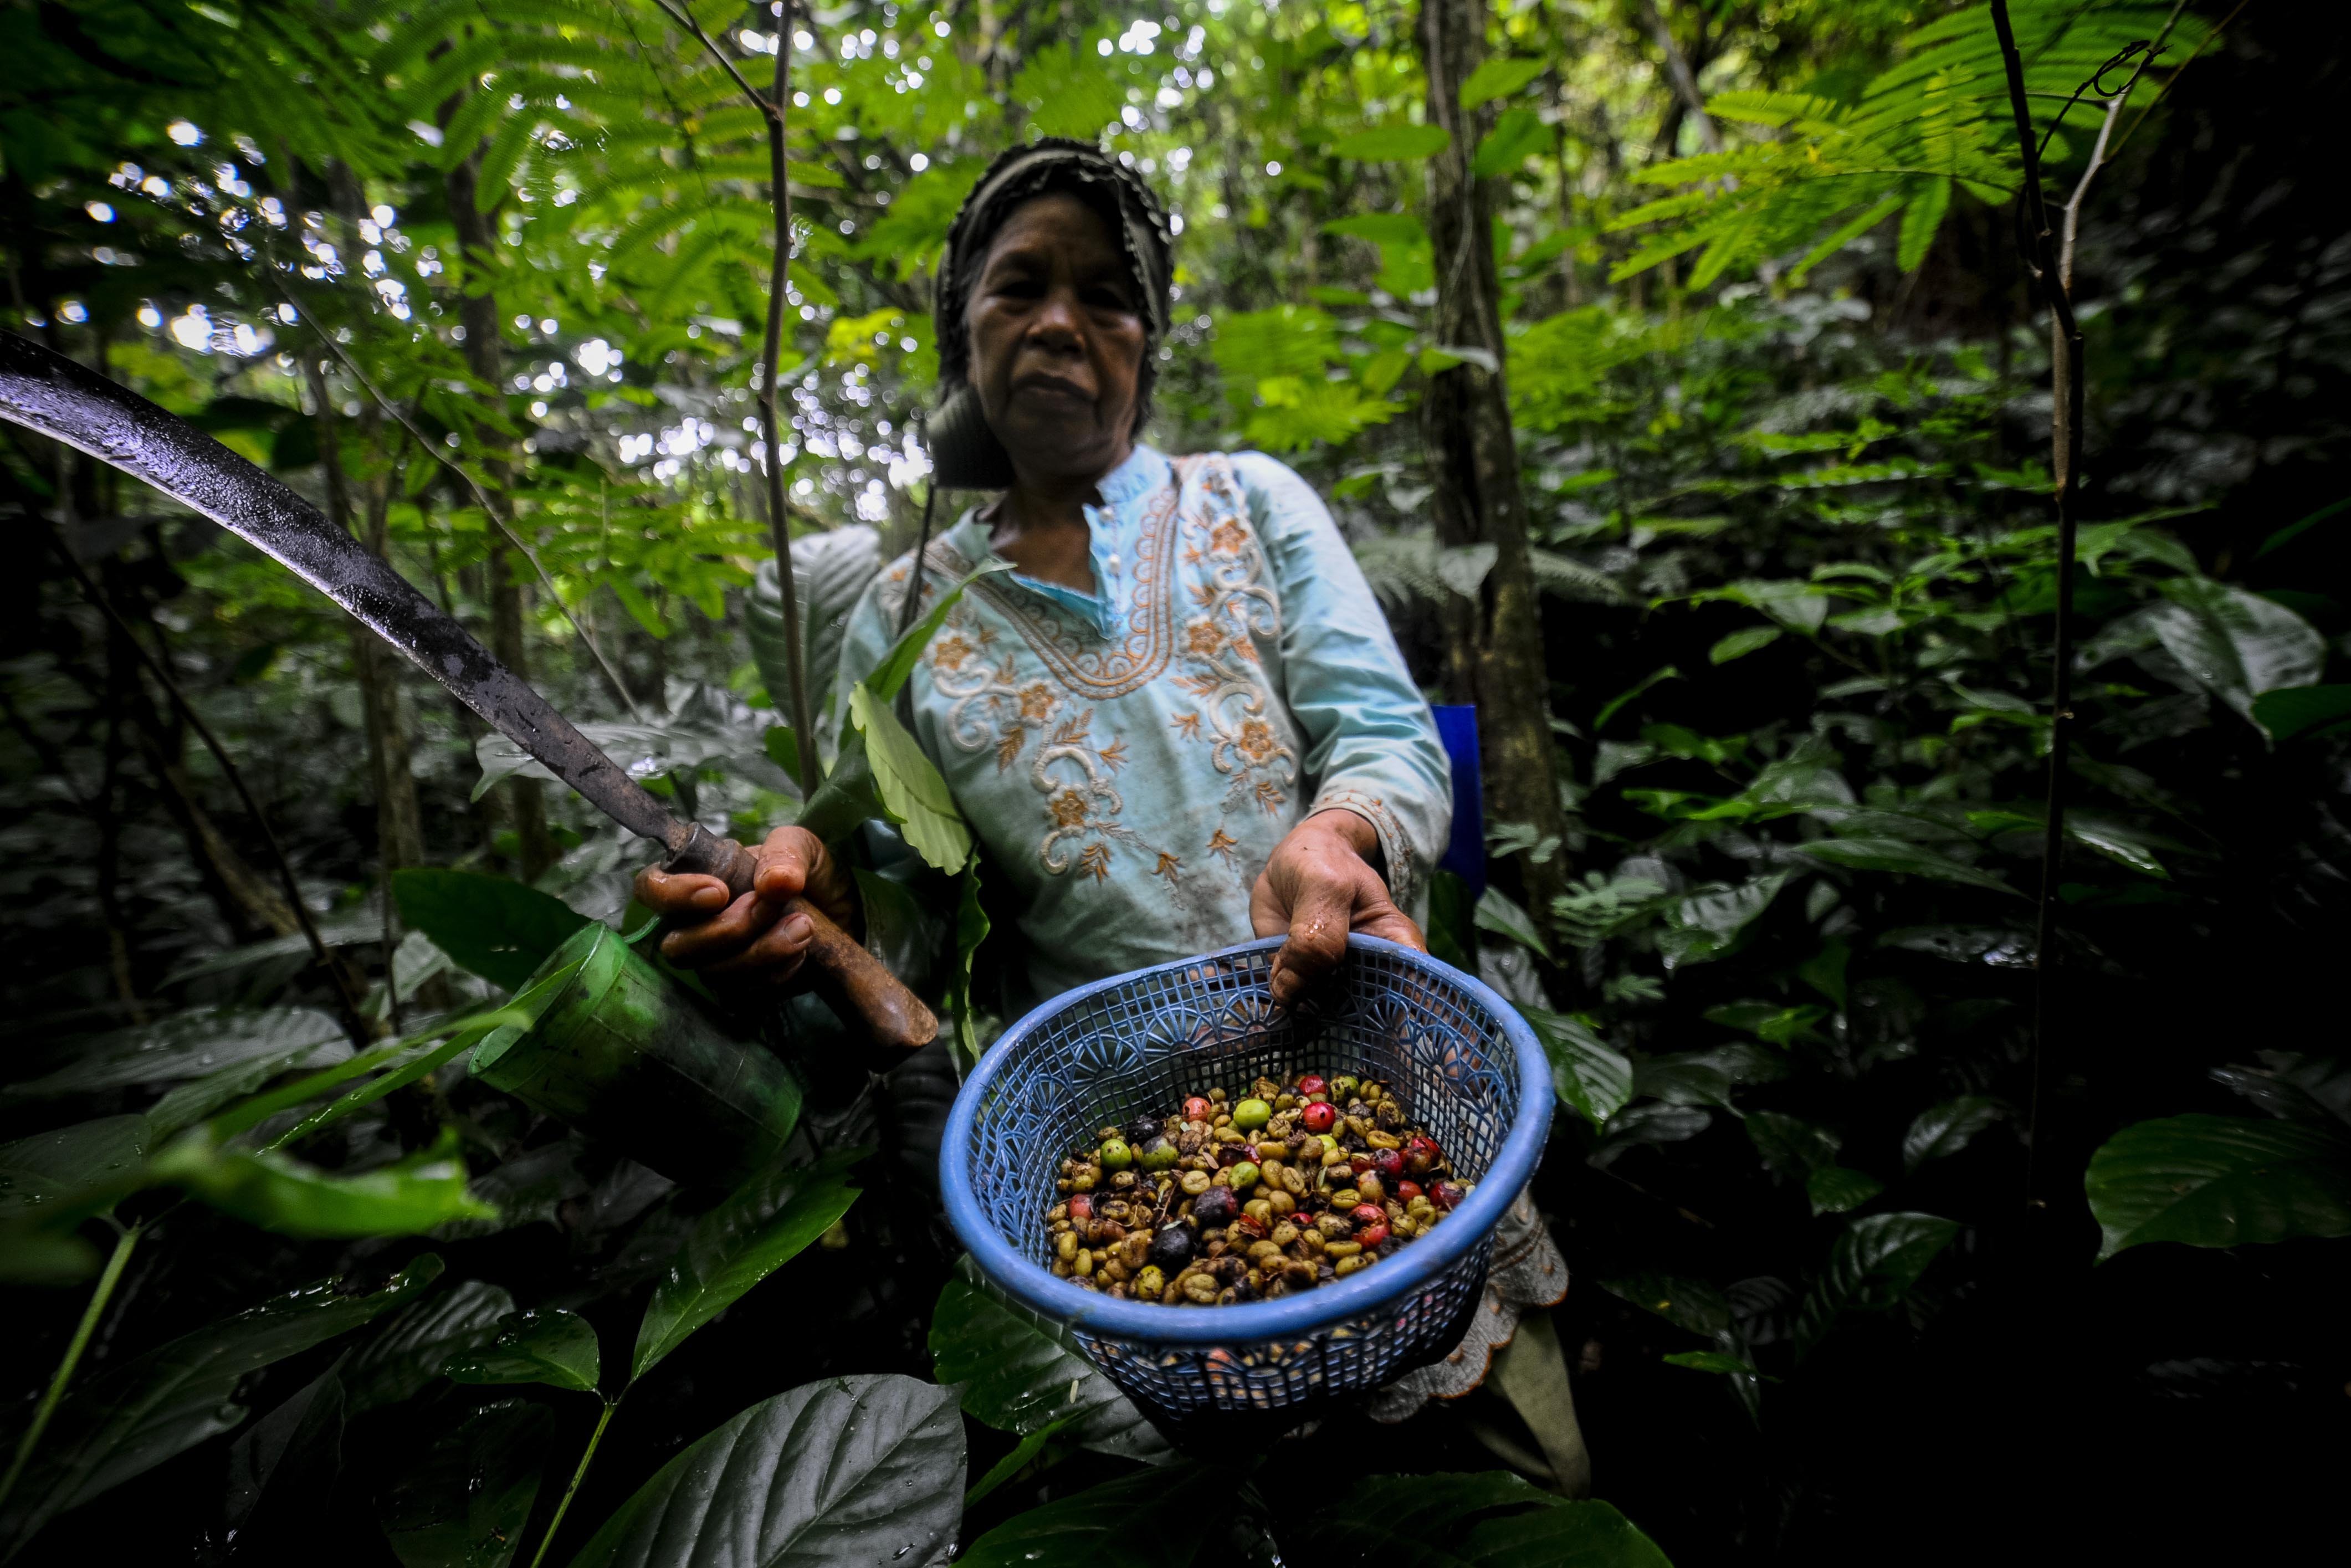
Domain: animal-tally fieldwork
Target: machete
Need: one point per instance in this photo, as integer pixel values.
(46, 392)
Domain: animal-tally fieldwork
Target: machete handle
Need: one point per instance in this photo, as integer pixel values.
(855, 983)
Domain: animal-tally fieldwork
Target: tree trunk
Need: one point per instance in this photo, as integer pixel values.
(486, 355)
(1495, 642)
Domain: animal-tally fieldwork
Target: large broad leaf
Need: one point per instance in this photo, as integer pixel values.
(1840, 1189)
(1487, 1520)
(2220, 1181)
(296, 1200)
(409, 1352)
(899, 663)
(1706, 1077)
(498, 928)
(1791, 1146)
(1020, 1375)
(2290, 710)
(1499, 77)
(47, 1167)
(2238, 644)
(1151, 1518)
(1872, 1267)
(542, 1345)
(1710, 922)
(189, 1045)
(1589, 1074)
(911, 788)
(172, 1398)
(1691, 1304)
(1949, 1127)
(1900, 855)
(854, 1470)
(466, 1501)
(190, 1103)
(759, 1228)
(283, 1467)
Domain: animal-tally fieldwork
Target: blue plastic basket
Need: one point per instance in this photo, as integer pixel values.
(1467, 1066)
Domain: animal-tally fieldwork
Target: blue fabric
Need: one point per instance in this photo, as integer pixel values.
(1130, 758)
(1465, 851)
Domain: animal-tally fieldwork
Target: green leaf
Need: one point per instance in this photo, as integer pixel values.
(1920, 219)
(1689, 1304)
(164, 1403)
(1900, 855)
(1713, 1361)
(1499, 76)
(543, 1344)
(847, 797)
(1394, 143)
(1839, 1190)
(1872, 1267)
(1500, 913)
(1024, 1453)
(283, 1195)
(754, 1232)
(1518, 134)
(1021, 1373)
(2236, 643)
(1588, 1073)
(1706, 1077)
(184, 1106)
(1457, 1520)
(2289, 710)
(971, 930)
(1947, 1128)
(2220, 1181)
(189, 1045)
(465, 1501)
(1738, 644)
(498, 928)
(864, 1469)
(406, 1355)
(899, 663)
(1710, 922)
(1791, 1146)
(783, 749)
(49, 1167)
(1150, 1519)
(911, 788)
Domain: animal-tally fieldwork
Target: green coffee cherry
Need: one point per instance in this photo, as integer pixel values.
(1116, 1155)
(1242, 1176)
(1251, 1114)
(1160, 1154)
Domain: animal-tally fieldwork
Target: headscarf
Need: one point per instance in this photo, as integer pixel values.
(1056, 163)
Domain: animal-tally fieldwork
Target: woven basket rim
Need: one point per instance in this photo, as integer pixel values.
(1414, 1268)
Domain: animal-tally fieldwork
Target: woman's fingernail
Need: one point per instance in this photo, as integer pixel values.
(798, 928)
(710, 898)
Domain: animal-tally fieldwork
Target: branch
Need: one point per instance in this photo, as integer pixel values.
(684, 19)
(2098, 151)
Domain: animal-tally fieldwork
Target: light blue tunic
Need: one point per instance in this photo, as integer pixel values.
(1129, 758)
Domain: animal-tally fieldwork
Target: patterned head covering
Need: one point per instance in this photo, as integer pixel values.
(1055, 164)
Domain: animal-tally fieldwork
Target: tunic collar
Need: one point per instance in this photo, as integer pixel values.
(1113, 531)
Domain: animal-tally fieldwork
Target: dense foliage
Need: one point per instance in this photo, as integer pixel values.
(1863, 1220)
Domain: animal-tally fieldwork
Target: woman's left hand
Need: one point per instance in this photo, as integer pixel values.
(1319, 886)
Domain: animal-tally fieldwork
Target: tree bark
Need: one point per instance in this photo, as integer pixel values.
(486, 355)
(1495, 642)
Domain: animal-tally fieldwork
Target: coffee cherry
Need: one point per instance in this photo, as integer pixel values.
(1320, 1117)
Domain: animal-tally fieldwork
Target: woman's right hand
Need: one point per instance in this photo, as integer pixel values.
(750, 943)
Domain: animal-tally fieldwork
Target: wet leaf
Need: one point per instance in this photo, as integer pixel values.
(1900, 855)
(1654, 1122)
(466, 1498)
(165, 1402)
(1706, 1077)
(49, 1167)
(2220, 1181)
(854, 1470)
(405, 1356)
(288, 1459)
(498, 928)
(1947, 1128)
(1710, 922)
(756, 1229)
(189, 1045)
(1791, 1146)
(1152, 1519)
(544, 1344)
(2236, 643)
(1872, 1267)
(1020, 1375)
(1589, 1074)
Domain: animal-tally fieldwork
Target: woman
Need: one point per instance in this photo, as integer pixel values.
(1181, 719)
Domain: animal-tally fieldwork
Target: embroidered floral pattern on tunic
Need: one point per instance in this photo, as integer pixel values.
(1094, 669)
(1248, 734)
(1080, 801)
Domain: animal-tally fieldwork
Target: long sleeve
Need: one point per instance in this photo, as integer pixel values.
(1372, 742)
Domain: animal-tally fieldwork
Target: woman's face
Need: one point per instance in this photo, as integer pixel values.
(1056, 340)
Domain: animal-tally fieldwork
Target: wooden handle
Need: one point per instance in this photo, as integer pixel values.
(859, 989)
